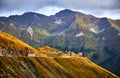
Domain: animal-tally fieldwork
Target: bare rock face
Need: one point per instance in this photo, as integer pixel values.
(30, 31)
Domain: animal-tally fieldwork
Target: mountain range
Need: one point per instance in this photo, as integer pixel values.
(97, 38)
(15, 62)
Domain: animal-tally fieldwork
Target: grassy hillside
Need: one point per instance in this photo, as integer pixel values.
(31, 67)
(60, 66)
(43, 67)
(10, 45)
(53, 52)
(84, 68)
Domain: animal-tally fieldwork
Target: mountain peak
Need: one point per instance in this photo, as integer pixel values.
(29, 13)
(32, 14)
(64, 12)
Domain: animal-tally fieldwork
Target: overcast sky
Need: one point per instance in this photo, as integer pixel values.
(99, 8)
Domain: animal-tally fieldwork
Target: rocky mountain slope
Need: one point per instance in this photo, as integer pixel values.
(97, 38)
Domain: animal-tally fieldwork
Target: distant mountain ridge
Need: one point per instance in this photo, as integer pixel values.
(97, 38)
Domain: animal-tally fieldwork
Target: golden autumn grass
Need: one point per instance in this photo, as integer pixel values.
(53, 52)
(10, 43)
(44, 67)
(84, 68)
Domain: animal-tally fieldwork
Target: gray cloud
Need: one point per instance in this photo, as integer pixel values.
(75, 4)
(91, 4)
(94, 6)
